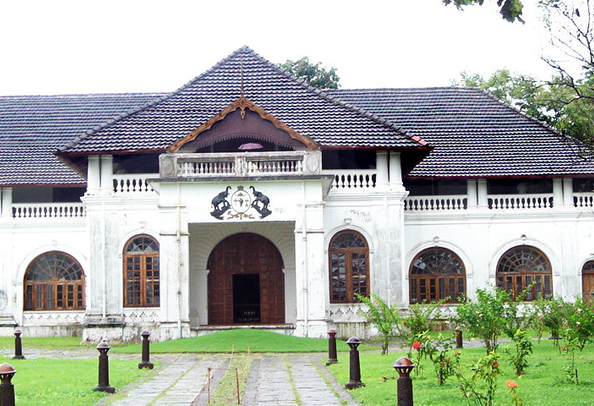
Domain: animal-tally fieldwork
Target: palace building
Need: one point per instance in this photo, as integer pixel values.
(247, 198)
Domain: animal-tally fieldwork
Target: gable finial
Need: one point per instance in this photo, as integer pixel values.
(242, 95)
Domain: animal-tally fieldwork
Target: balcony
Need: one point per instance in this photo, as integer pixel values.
(247, 164)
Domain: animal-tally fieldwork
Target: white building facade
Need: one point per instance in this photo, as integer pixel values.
(248, 199)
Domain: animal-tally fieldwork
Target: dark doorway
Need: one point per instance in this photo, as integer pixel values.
(246, 298)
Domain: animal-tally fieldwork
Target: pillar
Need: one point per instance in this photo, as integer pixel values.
(93, 175)
(106, 175)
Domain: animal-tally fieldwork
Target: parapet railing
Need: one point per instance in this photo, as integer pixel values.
(134, 184)
(249, 164)
(430, 203)
(48, 210)
(353, 180)
(519, 202)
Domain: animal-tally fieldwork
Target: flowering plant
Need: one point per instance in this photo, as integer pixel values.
(516, 398)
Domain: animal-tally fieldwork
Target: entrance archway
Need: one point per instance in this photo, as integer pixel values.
(246, 284)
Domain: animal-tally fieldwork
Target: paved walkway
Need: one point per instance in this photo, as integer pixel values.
(274, 380)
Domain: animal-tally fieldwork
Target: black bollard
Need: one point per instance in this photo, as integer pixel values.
(459, 343)
(332, 358)
(354, 366)
(145, 352)
(18, 346)
(6, 387)
(103, 386)
(404, 388)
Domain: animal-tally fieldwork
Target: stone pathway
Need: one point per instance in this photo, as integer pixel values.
(274, 380)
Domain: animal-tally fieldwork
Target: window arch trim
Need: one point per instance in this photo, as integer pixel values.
(141, 271)
(429, 283)
(522, 266)
(54, 280)
(348, 262)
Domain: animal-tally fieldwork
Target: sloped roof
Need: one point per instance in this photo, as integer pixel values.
(473, 134)
(32, 128)
(311, 113)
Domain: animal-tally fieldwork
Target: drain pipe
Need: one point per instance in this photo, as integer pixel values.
(179, 262)
(103, 265)
(305, 265)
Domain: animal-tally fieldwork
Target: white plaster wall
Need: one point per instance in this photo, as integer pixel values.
(480, 240)
(22, 242)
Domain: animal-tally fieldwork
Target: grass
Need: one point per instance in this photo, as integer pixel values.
(71, 381)
(237, 341)
(44, 342)
(544, 383)
(41, 382)
(238, 371)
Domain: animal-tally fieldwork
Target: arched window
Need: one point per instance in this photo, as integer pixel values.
(436, 274)
(588, 282)
(141, 272)
(54, 281)
(349, 267)
(523, 267)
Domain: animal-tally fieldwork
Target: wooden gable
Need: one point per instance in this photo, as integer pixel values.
(242, 126)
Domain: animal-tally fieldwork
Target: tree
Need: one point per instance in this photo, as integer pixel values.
(510, 10)
(312, 73)
(567, 100)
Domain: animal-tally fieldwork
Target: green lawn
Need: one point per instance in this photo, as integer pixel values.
(542, 385)
(40, 382)
(71, 381)
(240, 340)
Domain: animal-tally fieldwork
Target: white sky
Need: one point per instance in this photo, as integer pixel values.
(87, 46)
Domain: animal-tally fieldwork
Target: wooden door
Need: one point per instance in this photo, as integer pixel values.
(244, 254)
(588, 282)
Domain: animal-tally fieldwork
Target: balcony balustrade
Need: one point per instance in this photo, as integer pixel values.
(48, 210)
(247, 164)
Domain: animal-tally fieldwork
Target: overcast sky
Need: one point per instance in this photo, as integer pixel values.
(84, 46)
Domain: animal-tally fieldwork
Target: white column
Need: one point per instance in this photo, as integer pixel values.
(471, 190)
(311, 278)
(106, 174)
(558, 200)
(93, 175)
(381, 166)
(6, 203)
(395, 169)
(568, 192)
(483, 202)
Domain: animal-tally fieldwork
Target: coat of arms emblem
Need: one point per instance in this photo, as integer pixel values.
(240, 204)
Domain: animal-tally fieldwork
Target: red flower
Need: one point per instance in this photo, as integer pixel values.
(495, 364)
(511, 384)
(416, 345)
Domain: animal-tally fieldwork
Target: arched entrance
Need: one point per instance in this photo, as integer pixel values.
(246, 284)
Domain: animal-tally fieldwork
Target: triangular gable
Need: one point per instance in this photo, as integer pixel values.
(277, 132)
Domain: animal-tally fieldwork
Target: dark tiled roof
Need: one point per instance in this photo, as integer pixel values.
(326, 121)
(473, 134)
(32, 128)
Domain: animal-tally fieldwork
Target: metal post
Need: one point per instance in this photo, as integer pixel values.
(146, 363)
(103, 386)
(332, 357)
(18, 346)
(6, 387)
(404, 388)
(459, 343)
(354, 366)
